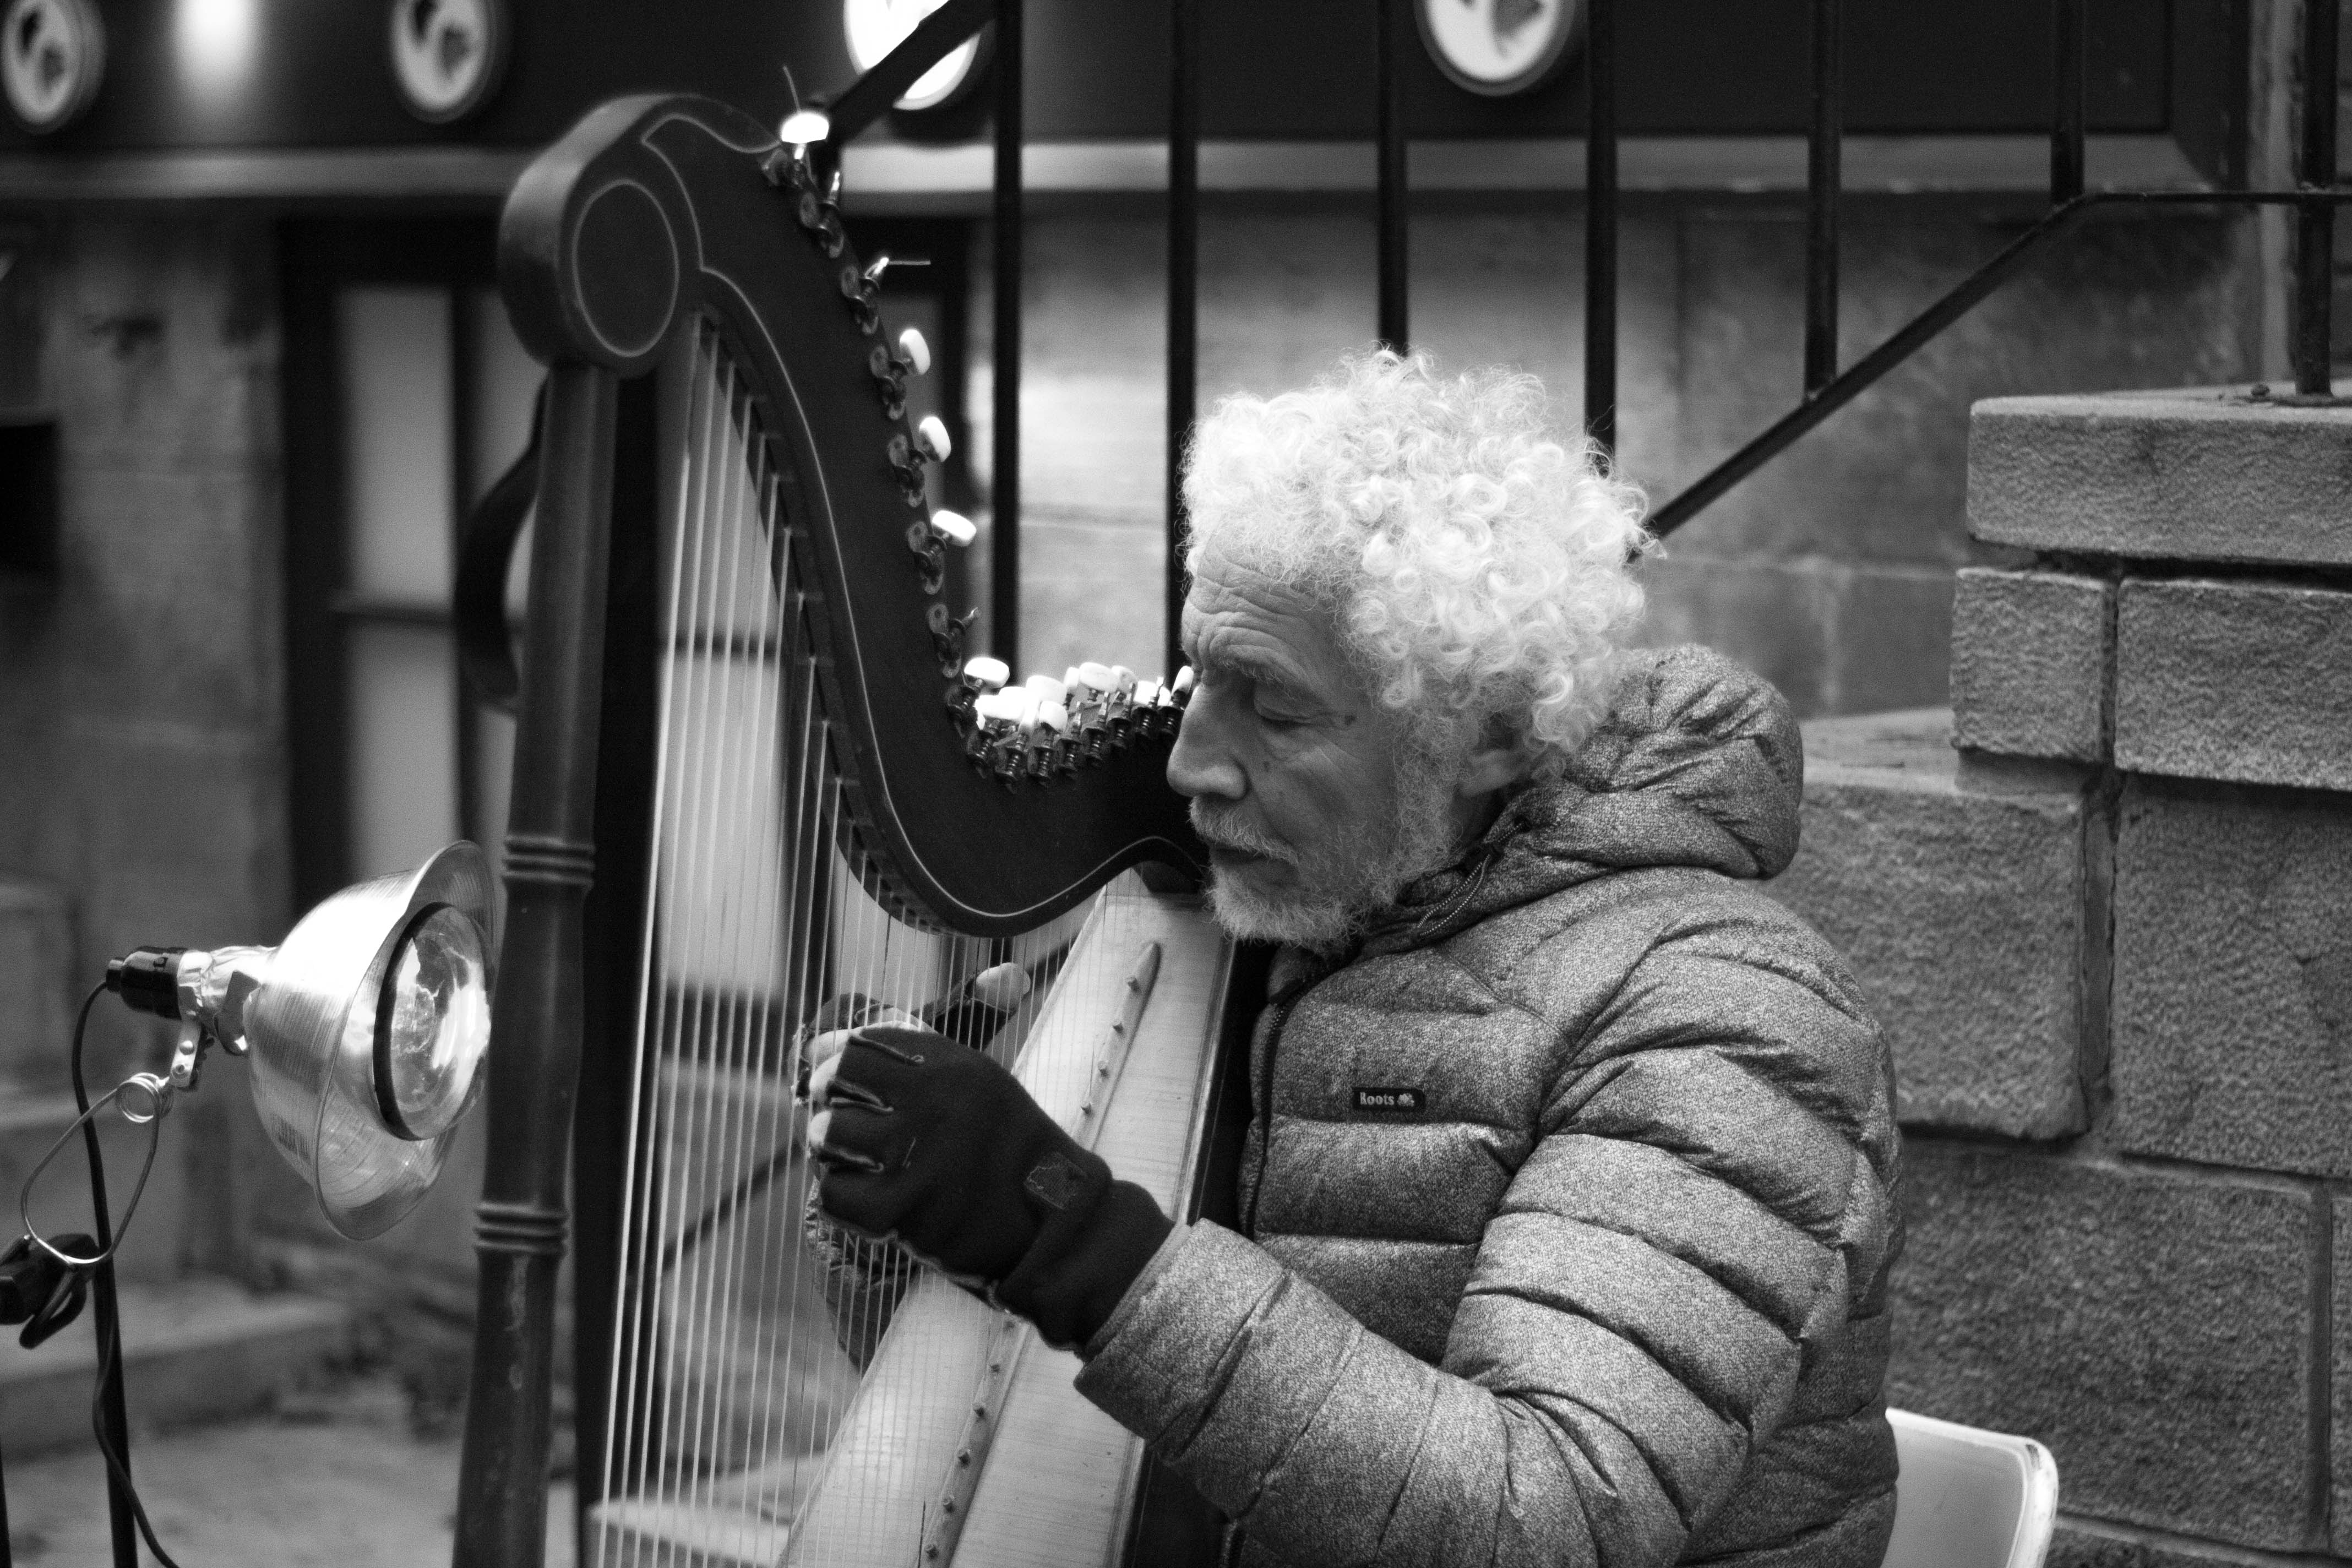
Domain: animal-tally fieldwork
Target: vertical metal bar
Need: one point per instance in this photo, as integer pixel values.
(1183, 292)
(2068, 66)
(1387, 59)
(465, 487)
(1601, 225)
(2316, 243)
(1004, 485)
(1824, 147)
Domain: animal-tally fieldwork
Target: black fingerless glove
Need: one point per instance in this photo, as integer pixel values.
(937, 1148)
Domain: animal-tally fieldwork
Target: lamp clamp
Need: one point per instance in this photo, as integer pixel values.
(204, 990)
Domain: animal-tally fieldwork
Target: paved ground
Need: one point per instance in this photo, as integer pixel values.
(347, 1476)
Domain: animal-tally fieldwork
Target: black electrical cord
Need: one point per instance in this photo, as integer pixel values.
(7, 1558)
(109, 1419)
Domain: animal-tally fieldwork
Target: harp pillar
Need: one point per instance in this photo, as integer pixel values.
(535, 1055)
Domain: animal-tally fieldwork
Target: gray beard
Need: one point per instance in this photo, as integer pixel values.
(1339, 891)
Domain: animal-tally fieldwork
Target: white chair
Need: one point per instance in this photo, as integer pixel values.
(1968, 1498)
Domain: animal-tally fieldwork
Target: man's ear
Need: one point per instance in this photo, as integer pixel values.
(1501, 756)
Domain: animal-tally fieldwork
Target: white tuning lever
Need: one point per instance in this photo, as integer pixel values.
(1047, 688)
(985, 674)
(1181, 687)
(1099, 676)
(803, 126)
(914, 351)
(954, 527)
(1002, 708)
(931, 436)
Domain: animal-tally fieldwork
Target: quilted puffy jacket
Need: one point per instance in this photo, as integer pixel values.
(1569, 1198)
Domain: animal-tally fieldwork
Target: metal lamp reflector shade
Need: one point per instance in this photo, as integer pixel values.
(366, 1030)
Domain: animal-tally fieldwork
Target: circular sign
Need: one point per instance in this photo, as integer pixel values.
(1496, 47)
(447, 55)
(51, 56)
(875, 28)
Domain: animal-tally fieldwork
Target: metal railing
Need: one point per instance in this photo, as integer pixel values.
(1827, 387)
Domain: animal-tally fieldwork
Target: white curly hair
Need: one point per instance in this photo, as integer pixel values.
(1475, 565)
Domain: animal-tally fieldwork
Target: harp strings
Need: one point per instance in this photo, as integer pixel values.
(729, 1377)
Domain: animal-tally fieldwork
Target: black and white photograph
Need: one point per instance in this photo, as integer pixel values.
(1177, 784)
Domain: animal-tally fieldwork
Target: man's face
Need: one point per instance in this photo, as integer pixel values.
(1317, 805)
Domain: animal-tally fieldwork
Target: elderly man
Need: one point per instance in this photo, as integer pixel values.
(1568, 1200)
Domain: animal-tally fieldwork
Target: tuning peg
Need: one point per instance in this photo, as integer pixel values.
(1047, 688)
(1044, 738)
(931, 436)
(1180, 688)
(1000, 712)
(803, 126)
(915, 352)
(984, 674)
(954, 527)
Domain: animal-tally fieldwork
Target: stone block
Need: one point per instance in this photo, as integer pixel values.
(1959, 901)
(2189, 474)
(195, 1348)
(35, 977)
(2152, 1328)
(2030, 656)
(36, 1111)
(1772, 618)
(2339, 1516)
(2248, 681)
(173, 597)
(2233, 998)
(163, 351)
(1890, 638)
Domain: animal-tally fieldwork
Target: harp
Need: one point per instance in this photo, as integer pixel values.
(755, 789)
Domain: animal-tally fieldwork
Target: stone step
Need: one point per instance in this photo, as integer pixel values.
(1958, 892)
(2196, 474)
(194, 1350)
(36, 958)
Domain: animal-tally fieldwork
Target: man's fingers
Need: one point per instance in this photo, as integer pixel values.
(822, 1048)
(821, 1081)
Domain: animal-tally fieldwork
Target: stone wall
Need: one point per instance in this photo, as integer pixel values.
(1831, 571)
(142, 700)
(2111, 940)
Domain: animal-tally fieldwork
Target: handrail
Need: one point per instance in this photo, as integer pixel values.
(1827, 389)
(1907, 340)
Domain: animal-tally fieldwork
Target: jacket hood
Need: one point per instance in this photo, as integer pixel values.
(1696, 762)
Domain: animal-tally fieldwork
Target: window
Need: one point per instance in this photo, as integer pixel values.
(406, 395)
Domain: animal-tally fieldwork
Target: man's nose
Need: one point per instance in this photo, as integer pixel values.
(1203, 763)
